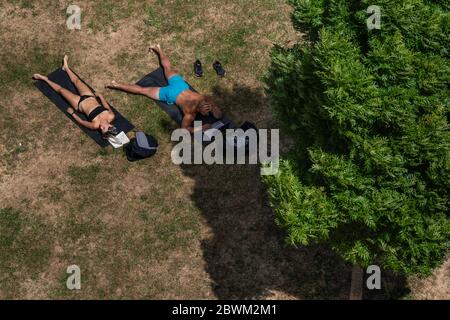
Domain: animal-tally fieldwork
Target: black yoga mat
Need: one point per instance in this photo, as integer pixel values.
(60, 77)
(157, 79)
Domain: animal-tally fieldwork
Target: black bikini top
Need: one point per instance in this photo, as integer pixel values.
(94, 113)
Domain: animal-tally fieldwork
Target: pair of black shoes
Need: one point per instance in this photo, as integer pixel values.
(217, 66)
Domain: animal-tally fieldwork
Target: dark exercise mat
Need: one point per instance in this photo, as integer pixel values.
(157, 79)
(60, 77)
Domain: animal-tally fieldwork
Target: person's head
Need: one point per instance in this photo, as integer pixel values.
(107, 128)
(205, 105)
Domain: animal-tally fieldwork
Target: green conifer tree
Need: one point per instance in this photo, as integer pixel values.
(368, 110)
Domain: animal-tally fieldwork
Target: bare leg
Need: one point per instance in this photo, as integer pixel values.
(165, 62)
(73, 99)
(82, 88)
(151, 92)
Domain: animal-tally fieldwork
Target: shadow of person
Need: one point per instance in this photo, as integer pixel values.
(245, 253)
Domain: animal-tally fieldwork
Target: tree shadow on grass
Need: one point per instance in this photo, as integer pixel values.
(245, 253)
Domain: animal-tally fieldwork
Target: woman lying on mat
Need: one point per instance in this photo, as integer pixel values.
(98, 111)
(177, 92)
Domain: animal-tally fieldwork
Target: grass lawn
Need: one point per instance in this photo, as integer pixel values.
(149, 229)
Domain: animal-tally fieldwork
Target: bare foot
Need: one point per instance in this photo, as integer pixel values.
(65, 63)
(38, 76)
(156, 48)
(112, 85)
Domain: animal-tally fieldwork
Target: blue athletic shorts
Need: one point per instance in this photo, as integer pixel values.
(170, 93)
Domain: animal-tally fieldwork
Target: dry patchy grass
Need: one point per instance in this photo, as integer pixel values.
(148, 229)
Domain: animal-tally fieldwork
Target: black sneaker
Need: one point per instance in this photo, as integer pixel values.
(198, 70)
(219, 69)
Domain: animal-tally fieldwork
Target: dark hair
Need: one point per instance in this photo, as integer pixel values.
(112, 131)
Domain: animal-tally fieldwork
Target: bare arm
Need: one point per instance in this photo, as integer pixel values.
(188, 121)
(210, 106)
(84, 123)
(106, 105)
(104, 102)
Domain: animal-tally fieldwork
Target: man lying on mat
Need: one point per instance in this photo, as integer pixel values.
(177, 92)
(96, 108)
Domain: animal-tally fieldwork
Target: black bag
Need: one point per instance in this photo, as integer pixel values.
(141, 147)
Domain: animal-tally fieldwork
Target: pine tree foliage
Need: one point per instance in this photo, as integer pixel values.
(369, 111)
